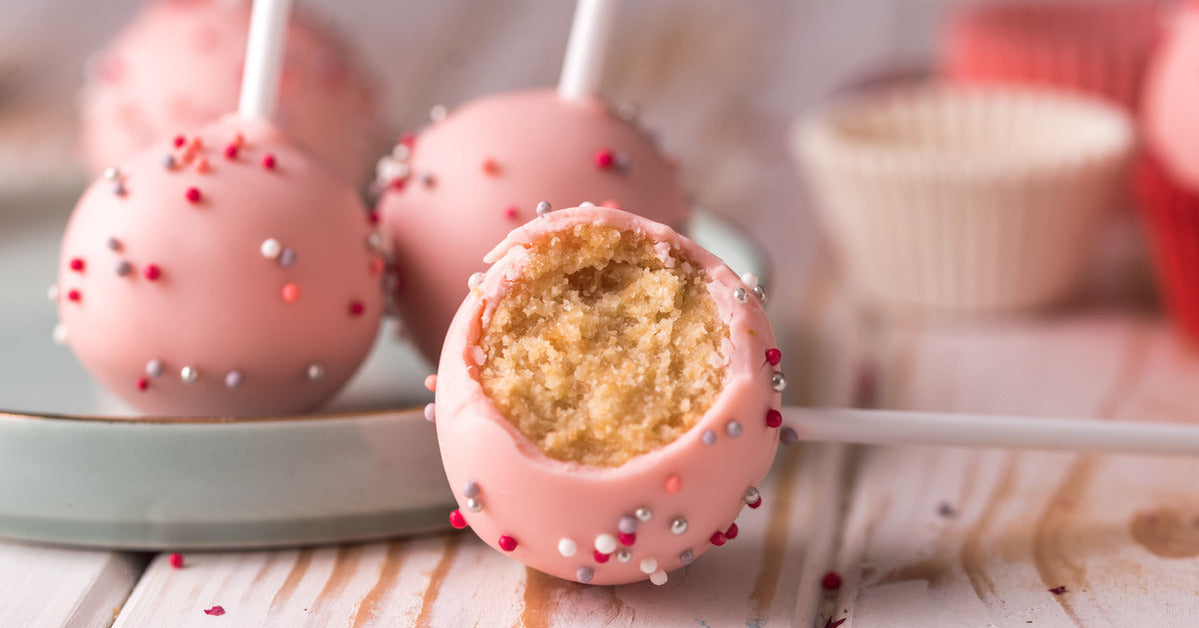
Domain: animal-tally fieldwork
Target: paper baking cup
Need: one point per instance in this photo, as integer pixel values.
(1171, 213)
(1096, 47)
(964, 198)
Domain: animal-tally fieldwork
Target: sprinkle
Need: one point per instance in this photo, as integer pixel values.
(437, 113)
(316, 372)
(287, 258)
(52, 293)
(428, 180)
(604, 158)
(587, 204)
(239, 139)
(408, 139)
(659, 577)
(290, 292)
(718, 538)
(622, 162)
(374, 240)
(778, 382)
(77, 264)
(678, 526)
(152, 272)
(544, 208)
(270, 248)
(124, 268)
(708, 437)
(760, 292)
(175, 560)
(430, 412)
(624, 555)
(215, 611)
(193, 195)
(753, 497)
(474, 505)
(567, 547)
(234, 379)
(202, 165)
(143, 384)
(600, 557)
(741, 295)
(59, 334)
(644, 514)
(512, 212)
(507, 543)
(774, 418)
(750, 280)
(179, 141)
(605, 543)
(627, 538)
(74, 295)
(470, 488)
(118, 188)
(648, 565)
(189, 375)
(834, 623)
(831, 581)
(457, 521)
(732, 532)
(475, 280)
(1058, 590)
(167, 161)
(774, 356)
(114, 244)
(431, 382)
(154, 368)
(372, 217)
(627, 524)
(231, 151)
(674, 484)
(733, 428)
(268, 161)
(491, 167)
(112, 174)
(398, 184)
(610, 203)
(584, 574)
(401, 152)
(377, 266)
(789, 436)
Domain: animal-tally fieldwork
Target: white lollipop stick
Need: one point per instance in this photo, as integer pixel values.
(891, 427)
(589, 34)
(264, 58)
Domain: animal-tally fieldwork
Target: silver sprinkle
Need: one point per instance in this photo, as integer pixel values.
(114, 244)
(678, 526)
(430, 412)
(752, 495)
(733, 429)
(778, 382)
(760, 292)
(624, 555)
(438, 113)
(741, 295)
(316, 372)
(287, 257)
(474, 505)
(168, 161)
(154, 368)
(544, 208)
(788, 436)
(234, 379)
(112, 174)
(118, 188)
(470, 488)
(627, 524)
(584, 574)
(475, 280)
(644, 514)
(124, 268)
(686, 557)
(709, 437)
(189, 375)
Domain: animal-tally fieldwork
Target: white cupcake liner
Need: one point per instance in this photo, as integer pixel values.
(964, 198)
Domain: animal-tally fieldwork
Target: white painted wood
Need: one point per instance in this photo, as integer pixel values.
(50, 586)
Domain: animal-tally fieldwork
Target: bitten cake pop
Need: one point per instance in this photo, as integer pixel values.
(178, 65)
(607, 399)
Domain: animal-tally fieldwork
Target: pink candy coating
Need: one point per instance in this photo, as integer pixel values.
(497, 154)
(178, 64)
(199, 290)
(1171, 128)
(528, 496)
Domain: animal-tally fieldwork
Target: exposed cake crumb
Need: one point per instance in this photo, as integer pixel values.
(606, 348)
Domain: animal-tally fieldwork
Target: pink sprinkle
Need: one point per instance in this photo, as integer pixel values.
(674, 484)
(152, 272)
(601, 557)
(732, 532)
(377, 266)
(239, 140)
(507, 543)
(491, 166)
(180, 141)
(196, 144)
(512, 212)
(774, 418)
(231, 151)
(215, 611)
(604, 159)
(268, 161)
(357, 308)
(143, 384)
(77, 264)
(74, 295)
(176, 560)
(457, 521)
(718, 538)
(291, 293)
(774, 356)
(193, 195)
(431, 382)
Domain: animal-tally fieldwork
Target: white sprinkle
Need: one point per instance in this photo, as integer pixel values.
(60, 334)
(475, 280)
(587, 204)
(270, 248)
(605, 544)
(374, 240)
(316, 372)
(430, 414)
(154, 368)
(649, 565)
(567, 547)
(52, 293)
(401, 152)
(189, 375)
(438, 113)
(234, 379)
(112, 174)
(750, 280)
(659, 577)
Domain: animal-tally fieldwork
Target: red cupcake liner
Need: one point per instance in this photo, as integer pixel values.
(1171, 214)
(1100, 48)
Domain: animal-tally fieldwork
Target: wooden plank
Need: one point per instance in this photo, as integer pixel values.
(987, 537)
(52, 586)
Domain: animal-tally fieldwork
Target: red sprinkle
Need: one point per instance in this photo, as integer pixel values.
(756, 503)
(831, 581)
(268, 161)
(628, 538)
(152, 272)
(408, 139)
(176, 560)
(398, 184)
(193, 195)
(77, 264)
(1058, 590)
(833, 623)
(457, 520)
(507, 543)
(718, 538)
(74, 295)
(774, 356)
(774, 418)
(491, 166)
(732, 532)
(604, 159)
(601, 557)
(180, 141)
(143, 383)
(512, 212)
(231, 151)
(674, 484)
(291, 292)
(372, 217)
(356, 308)
(215, 611)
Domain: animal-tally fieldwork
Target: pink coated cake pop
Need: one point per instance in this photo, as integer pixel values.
(178, 65)
(601, 494)
(221, 273)
(456, 189)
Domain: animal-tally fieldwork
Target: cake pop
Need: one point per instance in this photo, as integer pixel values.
(177, 65)
(607, 399)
